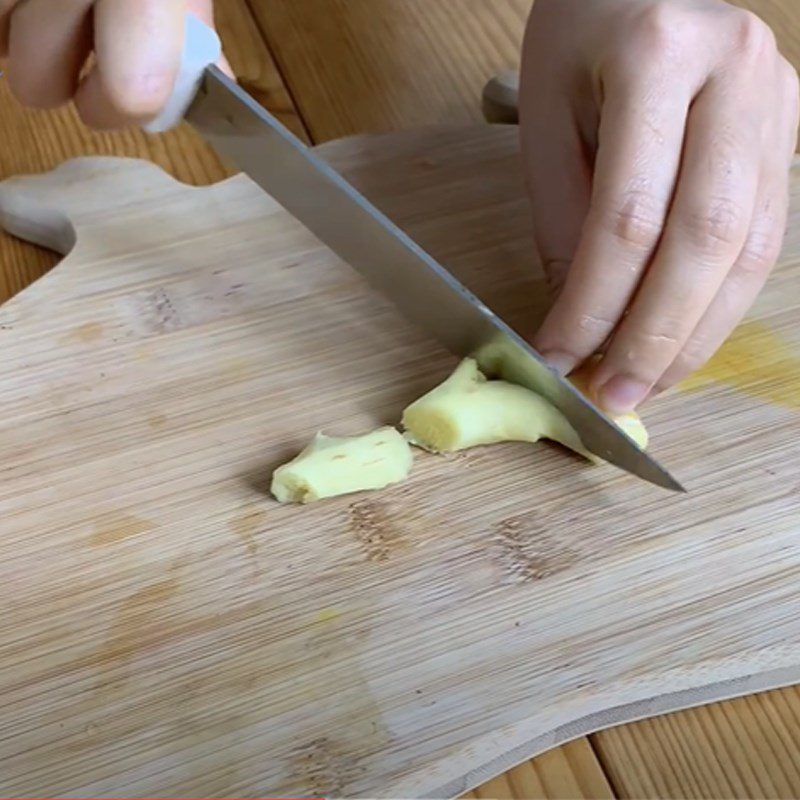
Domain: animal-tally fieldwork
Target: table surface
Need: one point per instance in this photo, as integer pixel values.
(330, 68)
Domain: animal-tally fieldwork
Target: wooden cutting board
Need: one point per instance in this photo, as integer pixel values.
(169, 630)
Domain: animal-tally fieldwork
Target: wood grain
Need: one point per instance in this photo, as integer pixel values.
(35, 141)
(358, 65)
(412, 643)
(740, 749)
(568, 772)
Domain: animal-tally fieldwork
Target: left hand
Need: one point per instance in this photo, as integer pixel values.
(657, 136)
(135, 45)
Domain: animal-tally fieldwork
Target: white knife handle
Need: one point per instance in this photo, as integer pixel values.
(201, 48)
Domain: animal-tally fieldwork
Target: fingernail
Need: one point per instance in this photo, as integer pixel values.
(622, 394)
(563, 363)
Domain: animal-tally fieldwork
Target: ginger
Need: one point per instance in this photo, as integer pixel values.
(465, 411)
(468, 410)
(331, 466)
(631, 423)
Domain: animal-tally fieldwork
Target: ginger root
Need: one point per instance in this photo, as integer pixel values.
(331, 466)
(468, 410)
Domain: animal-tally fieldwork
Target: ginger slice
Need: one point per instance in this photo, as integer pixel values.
(468, 410)
(330, 466)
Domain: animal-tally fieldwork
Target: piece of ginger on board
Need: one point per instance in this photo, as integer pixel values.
(332, 465)
(468, 410)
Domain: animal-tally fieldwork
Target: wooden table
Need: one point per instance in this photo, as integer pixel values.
(331, 68)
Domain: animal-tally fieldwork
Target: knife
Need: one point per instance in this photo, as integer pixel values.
(241, 130)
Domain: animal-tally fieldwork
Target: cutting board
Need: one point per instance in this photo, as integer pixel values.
(170, 630)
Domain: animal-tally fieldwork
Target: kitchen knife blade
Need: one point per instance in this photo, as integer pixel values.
(241, 130)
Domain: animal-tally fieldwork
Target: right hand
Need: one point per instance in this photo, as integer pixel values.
(136, 47)
(658, 136)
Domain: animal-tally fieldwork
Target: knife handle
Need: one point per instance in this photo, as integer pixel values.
(501, 99)
(201, 48)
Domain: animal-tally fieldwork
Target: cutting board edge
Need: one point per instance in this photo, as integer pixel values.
(742, 685)
(40, 208)
(748, 667)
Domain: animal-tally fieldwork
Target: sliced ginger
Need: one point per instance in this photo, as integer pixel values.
(469, 410)
(331, 466)
(465, 411)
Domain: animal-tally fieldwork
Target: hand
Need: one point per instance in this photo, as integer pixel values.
(136, 45)
(657, 136)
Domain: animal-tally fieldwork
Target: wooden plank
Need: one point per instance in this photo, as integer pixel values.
(362, 65)
(571, 771)
(34, 141)
(741, 749)
(253, 64)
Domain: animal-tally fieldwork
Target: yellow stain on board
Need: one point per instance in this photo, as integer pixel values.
(247, 526)
(327, 615)
(756, 362)
(84, 334)
(117, 526)
(157, 421)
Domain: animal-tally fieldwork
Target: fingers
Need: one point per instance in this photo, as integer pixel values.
(138, 50)
(706, 231)
(48, 45)
(640, 139)
(5, 19)
(137, 54)
(760, 252)
(741, 287)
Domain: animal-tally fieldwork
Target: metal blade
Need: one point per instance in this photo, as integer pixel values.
(237, 127)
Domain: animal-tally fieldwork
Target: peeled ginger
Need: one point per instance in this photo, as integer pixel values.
(468, 410)
(331, 466)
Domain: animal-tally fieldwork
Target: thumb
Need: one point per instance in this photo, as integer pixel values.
(137, 48)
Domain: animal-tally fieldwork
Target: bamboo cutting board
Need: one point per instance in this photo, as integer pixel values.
(169, 630)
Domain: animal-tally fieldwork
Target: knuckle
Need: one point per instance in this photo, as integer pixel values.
(694, 356)
(716, 229)
(646, 351)
(791, 81)
(752, 36)
(657, 341)
(636, 219)
(142, 96)
(594, 326)
(657, 26)
(759, 255)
